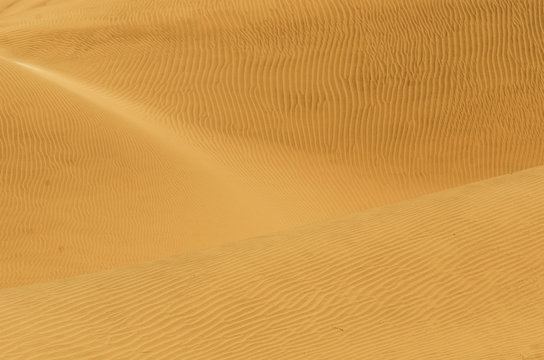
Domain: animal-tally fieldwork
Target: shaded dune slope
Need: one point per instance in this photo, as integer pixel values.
(452, 275)
(251, 117)
(444, 93)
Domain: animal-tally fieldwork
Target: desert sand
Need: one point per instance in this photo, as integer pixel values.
(349, 179)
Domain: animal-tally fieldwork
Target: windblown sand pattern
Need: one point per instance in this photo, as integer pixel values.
(452, 275)
(271, 179)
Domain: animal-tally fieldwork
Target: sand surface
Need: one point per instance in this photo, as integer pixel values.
(271, 179)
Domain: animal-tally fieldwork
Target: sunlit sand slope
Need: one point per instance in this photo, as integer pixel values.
(452, 275)
(134, 130)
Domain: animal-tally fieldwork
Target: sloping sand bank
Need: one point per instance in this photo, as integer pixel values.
(453, 275)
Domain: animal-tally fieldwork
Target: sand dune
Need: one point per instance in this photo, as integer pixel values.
(296, 113)
(106, 190)
(134, 131)
(452, 275)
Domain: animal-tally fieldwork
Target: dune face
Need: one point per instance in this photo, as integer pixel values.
(452, 275)
(165, 127)
(271, 179)
(84, 188)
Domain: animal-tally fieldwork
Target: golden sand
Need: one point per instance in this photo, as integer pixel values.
(271, 179)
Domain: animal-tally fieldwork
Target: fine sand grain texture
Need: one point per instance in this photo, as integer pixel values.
(271, 179)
